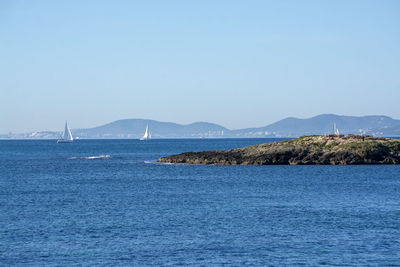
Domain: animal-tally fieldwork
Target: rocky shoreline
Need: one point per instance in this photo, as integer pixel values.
(305, 150)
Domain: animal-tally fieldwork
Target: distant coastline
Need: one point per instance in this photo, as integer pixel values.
(375, 125)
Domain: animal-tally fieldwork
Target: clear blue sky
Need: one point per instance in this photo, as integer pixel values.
(236, 63)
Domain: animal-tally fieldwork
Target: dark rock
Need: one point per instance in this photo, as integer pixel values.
(306, 150)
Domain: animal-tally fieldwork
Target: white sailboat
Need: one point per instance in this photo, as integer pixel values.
(335, 130)
(147, 134)
(67, 138)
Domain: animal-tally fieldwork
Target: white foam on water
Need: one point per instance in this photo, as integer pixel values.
(93, 157)
(167, 163)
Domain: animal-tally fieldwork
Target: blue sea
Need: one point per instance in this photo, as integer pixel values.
(107, 203)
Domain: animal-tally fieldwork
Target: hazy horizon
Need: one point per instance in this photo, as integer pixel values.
(236, 64)
(60, 129)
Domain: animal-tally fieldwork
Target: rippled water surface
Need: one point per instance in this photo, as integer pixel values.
(105, 202)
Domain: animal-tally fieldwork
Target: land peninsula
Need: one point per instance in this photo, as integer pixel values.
(305, 150)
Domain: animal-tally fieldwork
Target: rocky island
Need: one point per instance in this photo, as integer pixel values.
(305, 150)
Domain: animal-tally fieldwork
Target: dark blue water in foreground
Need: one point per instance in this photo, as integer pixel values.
(59, 207)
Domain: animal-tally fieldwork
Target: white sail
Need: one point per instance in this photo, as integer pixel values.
(67, 138)
(147, 134)
(335, 129)
(67, 133)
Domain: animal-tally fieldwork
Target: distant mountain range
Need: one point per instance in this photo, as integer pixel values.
(289, 127)
(323, 124)
(134, 128)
